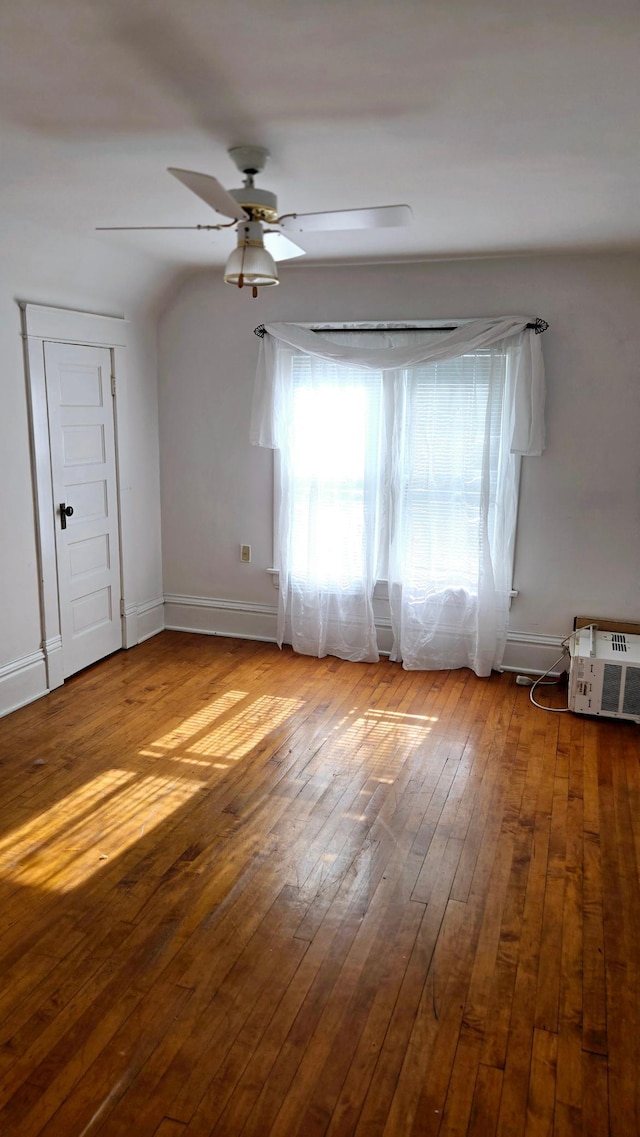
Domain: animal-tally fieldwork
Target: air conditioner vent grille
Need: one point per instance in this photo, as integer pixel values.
(611, 677)
(618, 642)
(631, 704)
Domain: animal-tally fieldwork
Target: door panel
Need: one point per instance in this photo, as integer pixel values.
(83, 445)
(83, 467)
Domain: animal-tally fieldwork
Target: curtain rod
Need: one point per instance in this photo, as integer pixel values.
(539, 326)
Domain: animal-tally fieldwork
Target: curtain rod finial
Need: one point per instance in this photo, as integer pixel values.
(259, 331)
(539, 326)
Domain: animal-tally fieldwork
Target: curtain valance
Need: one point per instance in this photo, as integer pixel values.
(528, 387)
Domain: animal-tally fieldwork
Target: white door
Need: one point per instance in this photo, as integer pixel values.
(85, 501)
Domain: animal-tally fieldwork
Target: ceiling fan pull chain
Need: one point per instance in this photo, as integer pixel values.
(241, 273)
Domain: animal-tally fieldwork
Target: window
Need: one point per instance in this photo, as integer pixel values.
(399, 459)
(337, 462)
(342, 436)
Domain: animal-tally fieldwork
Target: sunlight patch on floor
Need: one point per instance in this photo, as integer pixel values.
(66, 843)
(391, 716)
(382, 737)
(63, 846)
(198, 722)
(234, 739)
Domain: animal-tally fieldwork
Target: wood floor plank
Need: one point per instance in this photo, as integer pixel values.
(365, 1058)
(621, 958)
(569, 1070)
(247, 893)
(548, 994)
(499, 1017)
(595, 1112)
(594, 1025)
(496, 749)
(485, 1106)
(542, 1088)
(449, 974)
(170, 1128)
(480, 1008)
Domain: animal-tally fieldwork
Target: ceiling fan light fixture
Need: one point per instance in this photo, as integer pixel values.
(250, 263)
(254, 264)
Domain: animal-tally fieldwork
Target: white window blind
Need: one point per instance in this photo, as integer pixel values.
(450, 409)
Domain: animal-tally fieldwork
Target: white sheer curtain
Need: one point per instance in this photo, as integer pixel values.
(328, 426)
(400, 461)
(454, 496)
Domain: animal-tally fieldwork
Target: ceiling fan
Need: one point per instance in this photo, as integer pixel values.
(260, 230)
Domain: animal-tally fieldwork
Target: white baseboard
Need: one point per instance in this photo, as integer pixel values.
(150, 618)
(129, 623)
(53, 662)
(214, 617)
(22, 681)
(525, 651)
(532, 653)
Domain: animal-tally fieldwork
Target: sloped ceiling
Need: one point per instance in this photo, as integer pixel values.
(507, 126)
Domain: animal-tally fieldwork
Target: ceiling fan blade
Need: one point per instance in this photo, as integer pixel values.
(377, 217)
(281, 248)
(210, 190)
(140, 228)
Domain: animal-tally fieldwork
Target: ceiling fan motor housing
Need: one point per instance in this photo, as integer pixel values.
(259, 204)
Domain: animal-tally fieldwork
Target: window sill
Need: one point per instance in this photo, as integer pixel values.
(380, 592)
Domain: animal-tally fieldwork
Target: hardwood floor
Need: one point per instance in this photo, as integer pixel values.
(249, 892)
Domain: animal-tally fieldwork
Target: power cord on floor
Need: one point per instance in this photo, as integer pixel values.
(538, 683)
(523, 679)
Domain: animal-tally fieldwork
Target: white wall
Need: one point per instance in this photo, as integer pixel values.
(63, 271)
(578, 544)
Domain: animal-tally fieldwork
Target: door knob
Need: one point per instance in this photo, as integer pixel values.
(65, 511)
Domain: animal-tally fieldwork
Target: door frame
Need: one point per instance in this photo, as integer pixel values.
(41, 324)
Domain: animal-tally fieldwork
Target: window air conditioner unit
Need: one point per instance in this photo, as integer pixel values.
(604, 675)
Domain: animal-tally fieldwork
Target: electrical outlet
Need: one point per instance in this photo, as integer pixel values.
(245, 553)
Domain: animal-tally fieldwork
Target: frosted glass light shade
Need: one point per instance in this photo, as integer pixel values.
(256, 266)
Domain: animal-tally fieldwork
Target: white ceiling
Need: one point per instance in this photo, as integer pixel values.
(508, 126)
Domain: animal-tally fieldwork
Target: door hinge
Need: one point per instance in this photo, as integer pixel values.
(113, 384)
(122, 607)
